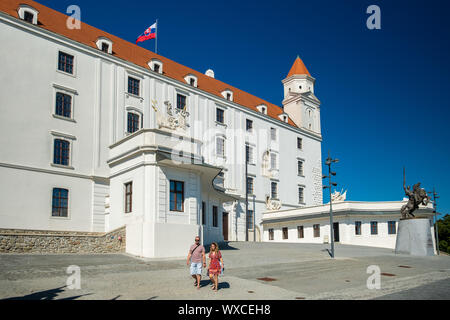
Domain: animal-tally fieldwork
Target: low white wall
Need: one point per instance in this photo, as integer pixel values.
(160, 240)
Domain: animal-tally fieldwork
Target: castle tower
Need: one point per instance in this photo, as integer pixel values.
(299, 101)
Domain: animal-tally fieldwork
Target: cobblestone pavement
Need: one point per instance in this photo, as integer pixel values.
(291, 271)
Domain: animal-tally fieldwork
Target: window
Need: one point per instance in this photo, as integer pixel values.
(176, 195)
(28, 17)
(274, 190)
(133, 86)
(391, 227)
(250, 219)
(28, 13)
(63, 105)
(249, 125)
(104, 44)
(300, 232)
(285, 233)
(220, 147)
(192, 82)
(316, 229)
(273, 161)
(373, 227)
(358, 228)
(203, 212)
(156, 65)
(105, 47)
(248, 154)
(128, 197)
(300, 167)
(249, 185)
(273, 134)
(227, 94)
(299, 143)
(263, 110)
(221, 179)
(61, 152)
(65, 62)
(60, 202)
(270, 234)
(215, 216)
(181, 102)
(219, 115)
(132, 122)
(301, 195)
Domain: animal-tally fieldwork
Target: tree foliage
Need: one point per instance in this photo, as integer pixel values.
(444, 233)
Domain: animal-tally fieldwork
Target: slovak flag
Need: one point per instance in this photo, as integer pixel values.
(150, 33)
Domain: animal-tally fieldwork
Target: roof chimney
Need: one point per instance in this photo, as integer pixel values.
(210, 73)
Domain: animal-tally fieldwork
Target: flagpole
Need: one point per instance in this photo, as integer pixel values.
(156, 40)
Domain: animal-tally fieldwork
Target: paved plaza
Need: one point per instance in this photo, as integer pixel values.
(252, 271)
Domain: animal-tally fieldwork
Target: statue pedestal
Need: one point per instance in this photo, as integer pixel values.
(414, 237)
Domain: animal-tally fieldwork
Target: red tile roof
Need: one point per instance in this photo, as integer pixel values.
(55, 21)
(298, 68)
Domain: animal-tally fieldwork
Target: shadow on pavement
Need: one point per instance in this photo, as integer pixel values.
(46, 295)
(222, 246)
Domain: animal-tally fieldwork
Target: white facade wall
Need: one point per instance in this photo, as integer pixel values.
(30, 80)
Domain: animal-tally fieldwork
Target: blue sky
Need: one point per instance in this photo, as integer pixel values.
(384, 93)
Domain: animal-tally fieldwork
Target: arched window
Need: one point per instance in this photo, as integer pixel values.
(28, 13)
(191, 80)
(104, 44)
(156, 65)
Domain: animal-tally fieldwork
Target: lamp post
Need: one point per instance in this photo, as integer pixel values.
(246, 194)
(328, 162)
(435, 196)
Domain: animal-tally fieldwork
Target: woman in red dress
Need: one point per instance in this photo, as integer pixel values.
(214, 265)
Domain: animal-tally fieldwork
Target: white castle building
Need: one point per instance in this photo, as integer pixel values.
(98, 133)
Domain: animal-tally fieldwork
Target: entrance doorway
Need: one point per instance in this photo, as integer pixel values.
(225, 225)
(336, 231)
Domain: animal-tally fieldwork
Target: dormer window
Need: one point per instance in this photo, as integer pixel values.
(28, 13)
(284, 117)
(105, 47)
(262, 108)
(104, 44)
(191, 79)
(28, 17)
(228, 94)
(156, 66)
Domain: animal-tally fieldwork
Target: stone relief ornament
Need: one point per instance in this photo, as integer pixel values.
(272, 204)
(265, 165)
(337, 196)
(173, 119)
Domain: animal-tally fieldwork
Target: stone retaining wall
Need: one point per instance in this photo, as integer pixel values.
(42, 241)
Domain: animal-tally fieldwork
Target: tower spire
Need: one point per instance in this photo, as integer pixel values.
(298, 68)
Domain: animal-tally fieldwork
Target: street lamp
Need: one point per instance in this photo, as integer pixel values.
(328, 162)
(435, 196)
